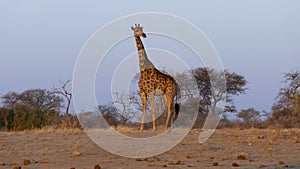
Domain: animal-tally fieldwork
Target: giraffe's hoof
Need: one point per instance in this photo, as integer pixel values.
(167, 129)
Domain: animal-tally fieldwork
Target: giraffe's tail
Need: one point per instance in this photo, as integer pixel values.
(177, 109)
(177, 104)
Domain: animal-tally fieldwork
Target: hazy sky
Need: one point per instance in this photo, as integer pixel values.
(40, 40)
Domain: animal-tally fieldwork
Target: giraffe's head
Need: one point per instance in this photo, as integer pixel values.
(138, 31)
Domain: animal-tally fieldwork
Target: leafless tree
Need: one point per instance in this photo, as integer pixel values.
(187, 83)
(65, 93)
(124, 106)
(10, 99)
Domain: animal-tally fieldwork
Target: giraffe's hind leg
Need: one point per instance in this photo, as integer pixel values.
(169, 101)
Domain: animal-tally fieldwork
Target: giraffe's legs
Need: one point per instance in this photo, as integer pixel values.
(169, 102)
(144, 102)
(152, 109)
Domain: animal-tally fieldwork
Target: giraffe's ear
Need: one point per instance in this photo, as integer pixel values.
(132, 28)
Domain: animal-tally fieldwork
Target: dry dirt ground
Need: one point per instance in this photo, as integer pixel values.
(226, 148)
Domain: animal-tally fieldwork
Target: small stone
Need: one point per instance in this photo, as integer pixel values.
(241, 157)
(97, 167)
(215, 164)
(76, 153)
(164, 165)
(280, 162)
(262, 166)
(270, 150)
(261, 137)
(170, 163)
(179, 163)
(26, 162)
(188, 157)
(72, 168)
(17, 167)
(235, 164)
(154, 158)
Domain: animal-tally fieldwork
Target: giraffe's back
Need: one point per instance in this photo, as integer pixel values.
(152, 80)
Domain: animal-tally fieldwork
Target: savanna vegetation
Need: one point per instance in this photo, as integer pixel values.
(38, 108)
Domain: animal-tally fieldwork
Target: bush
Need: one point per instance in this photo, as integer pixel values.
(20, 117)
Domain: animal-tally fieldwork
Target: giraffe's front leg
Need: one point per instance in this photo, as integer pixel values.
(144, 102)
(152, 109)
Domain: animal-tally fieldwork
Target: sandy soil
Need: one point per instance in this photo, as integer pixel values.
(251, 148)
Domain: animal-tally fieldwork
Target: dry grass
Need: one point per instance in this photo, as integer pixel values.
(159, 129)
(126, 129)
(49, 129)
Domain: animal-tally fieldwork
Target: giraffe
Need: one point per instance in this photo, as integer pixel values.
(152, 83)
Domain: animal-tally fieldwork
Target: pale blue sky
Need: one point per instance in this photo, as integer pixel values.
(40, 40)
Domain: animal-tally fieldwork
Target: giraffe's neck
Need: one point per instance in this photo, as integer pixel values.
(145, 63)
